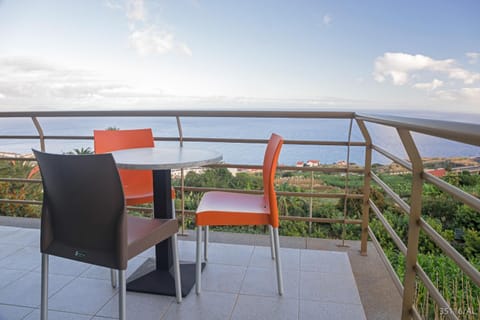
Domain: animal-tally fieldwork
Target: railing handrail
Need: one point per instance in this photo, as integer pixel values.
(182, 113)
(457, 131)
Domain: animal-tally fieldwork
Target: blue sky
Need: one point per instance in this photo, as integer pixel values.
(141, 54)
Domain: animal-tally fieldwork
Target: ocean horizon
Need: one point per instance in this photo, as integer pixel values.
(250, 128)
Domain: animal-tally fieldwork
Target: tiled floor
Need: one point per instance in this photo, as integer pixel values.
(238, 283)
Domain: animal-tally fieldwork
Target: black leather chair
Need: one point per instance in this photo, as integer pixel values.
(84, 218)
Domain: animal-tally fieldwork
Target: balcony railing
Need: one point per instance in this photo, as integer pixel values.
(404, 127)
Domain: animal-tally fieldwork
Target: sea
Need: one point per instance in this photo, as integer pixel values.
(261, 128)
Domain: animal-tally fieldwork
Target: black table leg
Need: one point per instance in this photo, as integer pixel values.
(160, 279)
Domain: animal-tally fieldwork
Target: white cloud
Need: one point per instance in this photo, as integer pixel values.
(471, 93)
(154, 41)
(429, 85)
(399, 67)
(136, 10)
(470, 96)
(473, 57)
(114, 4)
(327, 19)
(24, 80)
(146, 37)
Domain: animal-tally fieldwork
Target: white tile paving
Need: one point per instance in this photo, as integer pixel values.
(239, 282)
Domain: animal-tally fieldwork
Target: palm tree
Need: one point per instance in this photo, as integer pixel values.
(80, 151)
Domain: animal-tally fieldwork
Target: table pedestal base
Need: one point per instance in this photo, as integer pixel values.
(162, 282)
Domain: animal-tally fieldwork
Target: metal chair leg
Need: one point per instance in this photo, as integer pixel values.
(122, 293)
(44, 289)
(205, 248)
(276, 241)
(113, 278)
(198, 262)
(176, 269)
(272, 246)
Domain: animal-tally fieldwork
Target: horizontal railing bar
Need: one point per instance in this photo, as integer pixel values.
(280, 193)
(321, 195)
(263, 141)
(182, 113)
(322, 169)
(304, 219)
(286, 168)
(21, 137)
(321, 220)
(451, 252)
(396, 198)
(197, 139)
(20, 180)
(23, 202)
(18, 159)
(72, 137)
(396, 239)
(462, 132)
(386, 262)
(453, 191)
(433, 291)
(392, 157)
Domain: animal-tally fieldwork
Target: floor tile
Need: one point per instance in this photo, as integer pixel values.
(7, 276)
(20, 236)
(327, 287)
(8, 312)
(57, 315)
(237, 255)
(186, 250)
(263, 282)
(26, 290)
(330, 311)
(82, 295)
(207, 305)
(324, 261)
(27, 258)
(7, 249)
(262, 258)
(265, 308)
(139, 306)
(223, 278)
(66, 267)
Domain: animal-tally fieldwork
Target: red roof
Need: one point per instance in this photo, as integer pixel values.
(440, 172)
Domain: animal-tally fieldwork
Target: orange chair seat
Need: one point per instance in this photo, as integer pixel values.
(137, 194)
(228, 208)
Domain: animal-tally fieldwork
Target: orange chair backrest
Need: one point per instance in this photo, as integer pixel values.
(270, 162)
(111, 140)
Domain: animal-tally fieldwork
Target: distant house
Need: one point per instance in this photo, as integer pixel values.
(440, 172)
(313, 163)
(299, 164)
(341, 163)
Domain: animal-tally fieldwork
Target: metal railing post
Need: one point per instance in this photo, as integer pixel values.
(413, 224)
(182, 178)
(41, 136)
(366, 187)
(347, 187)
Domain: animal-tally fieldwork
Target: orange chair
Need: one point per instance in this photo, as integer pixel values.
(137, 184)
(227, 208)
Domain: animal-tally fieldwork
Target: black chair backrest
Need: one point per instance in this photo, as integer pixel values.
(83, 214)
